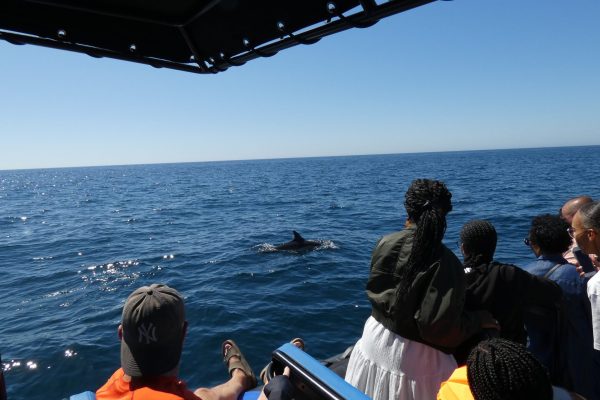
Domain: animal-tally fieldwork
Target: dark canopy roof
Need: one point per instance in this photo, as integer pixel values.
(203, 36)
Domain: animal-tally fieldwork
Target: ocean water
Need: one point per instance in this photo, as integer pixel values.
(75, 242)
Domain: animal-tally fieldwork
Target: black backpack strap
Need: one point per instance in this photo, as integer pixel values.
(559, 373)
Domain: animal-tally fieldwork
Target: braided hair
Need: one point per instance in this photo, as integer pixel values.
(427, 202)
(479, 242)
(498, 369)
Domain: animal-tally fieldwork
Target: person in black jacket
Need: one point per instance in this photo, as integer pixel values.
(504, 290)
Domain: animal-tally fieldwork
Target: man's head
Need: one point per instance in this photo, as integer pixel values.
(570, 208)
(549, 235)
(152, 330)
(585, 228)
(478, 241)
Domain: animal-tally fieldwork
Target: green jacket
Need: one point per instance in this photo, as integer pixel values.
(432, 311)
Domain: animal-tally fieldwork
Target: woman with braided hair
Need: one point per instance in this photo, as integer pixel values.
(504, 290)
(500, 369)
(416, 288)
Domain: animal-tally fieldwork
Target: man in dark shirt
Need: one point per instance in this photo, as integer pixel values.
(572, 360)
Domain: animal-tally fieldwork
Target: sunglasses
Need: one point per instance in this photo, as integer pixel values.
(527, 241)
(571, 231)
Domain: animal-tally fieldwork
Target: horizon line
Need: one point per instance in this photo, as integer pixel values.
(295, 158)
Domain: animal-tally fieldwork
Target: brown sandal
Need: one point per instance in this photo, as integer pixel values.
(298, 342)
(241, 364)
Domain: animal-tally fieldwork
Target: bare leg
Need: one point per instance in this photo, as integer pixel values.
(229, 390)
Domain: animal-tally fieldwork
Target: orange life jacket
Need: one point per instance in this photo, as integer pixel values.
(456, 387)
(159, 388)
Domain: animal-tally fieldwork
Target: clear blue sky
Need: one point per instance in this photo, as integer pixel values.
(459, 75)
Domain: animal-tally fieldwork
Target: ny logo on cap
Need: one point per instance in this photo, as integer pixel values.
(147, 332)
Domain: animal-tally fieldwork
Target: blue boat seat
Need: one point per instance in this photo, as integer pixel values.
(312, 379)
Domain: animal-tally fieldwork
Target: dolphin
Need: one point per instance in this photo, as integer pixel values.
(298, 243)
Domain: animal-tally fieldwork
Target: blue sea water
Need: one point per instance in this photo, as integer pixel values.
(75, 242)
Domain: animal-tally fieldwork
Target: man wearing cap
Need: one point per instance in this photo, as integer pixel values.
(151, 332)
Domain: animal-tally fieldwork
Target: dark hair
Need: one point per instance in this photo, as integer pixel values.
(498, 369)
(549, 232)
(427, 202)
(590, 215)
(479, 242)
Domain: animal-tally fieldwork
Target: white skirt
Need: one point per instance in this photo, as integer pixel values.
(385, 366)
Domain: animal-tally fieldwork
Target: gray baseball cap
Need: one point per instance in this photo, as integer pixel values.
(153, 328)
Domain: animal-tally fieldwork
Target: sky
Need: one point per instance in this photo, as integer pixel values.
(450, 75)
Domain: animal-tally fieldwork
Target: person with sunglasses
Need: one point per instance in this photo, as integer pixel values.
(562, 341)
(585, 230)
(567, 213)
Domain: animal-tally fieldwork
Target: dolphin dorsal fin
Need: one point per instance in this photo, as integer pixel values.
(298, 237)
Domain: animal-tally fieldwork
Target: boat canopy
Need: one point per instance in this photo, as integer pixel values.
(201, 36)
